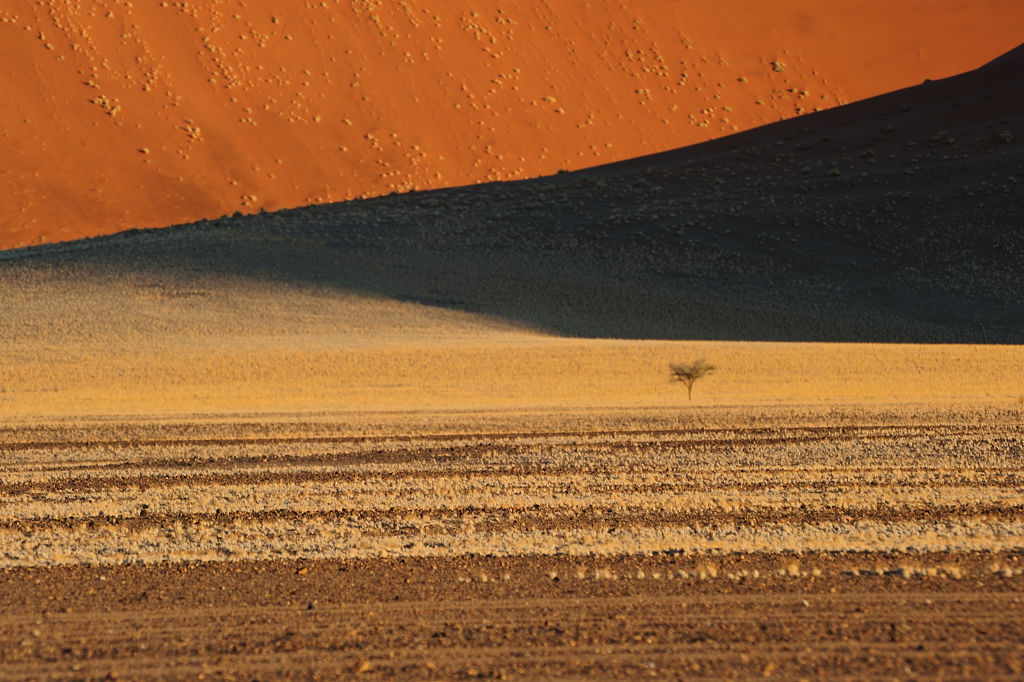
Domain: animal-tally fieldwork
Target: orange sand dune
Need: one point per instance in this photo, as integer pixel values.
(148, 114)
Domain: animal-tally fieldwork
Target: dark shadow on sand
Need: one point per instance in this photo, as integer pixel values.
(896, 219)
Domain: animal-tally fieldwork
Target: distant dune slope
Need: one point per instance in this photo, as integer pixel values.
(895, 219)
(149, 114)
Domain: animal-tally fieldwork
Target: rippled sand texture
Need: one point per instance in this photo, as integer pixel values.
(697, 542)
(691, 481)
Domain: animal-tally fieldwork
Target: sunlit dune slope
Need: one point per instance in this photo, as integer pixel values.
(149, 114)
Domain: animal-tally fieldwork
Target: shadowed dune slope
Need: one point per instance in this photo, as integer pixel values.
(148, 114)
(893, 219)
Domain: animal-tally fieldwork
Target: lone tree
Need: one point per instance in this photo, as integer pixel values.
(689, 373)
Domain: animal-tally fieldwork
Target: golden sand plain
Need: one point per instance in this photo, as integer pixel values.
(460, 361)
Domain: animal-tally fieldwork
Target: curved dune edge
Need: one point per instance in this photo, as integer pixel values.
(164, 113)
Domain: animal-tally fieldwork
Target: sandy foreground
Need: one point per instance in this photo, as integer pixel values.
(699, 542)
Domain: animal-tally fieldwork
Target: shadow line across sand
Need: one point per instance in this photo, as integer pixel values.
(895, 219)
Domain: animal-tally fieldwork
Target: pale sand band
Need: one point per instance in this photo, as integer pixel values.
(341, 540)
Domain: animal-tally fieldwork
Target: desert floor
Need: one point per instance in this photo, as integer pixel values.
(851, 540)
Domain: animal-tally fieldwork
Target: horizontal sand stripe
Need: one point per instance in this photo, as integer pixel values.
(679, 609)
(971, 457)
(681, 442)
(290, 373)
(681, 436)
(572, 662)
(494, 492)
(335, 540)
(432, 523)
(669, 476)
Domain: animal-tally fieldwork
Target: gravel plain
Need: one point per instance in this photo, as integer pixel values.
(859, 542)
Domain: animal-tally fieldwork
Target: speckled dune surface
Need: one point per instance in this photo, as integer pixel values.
(148, 114)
